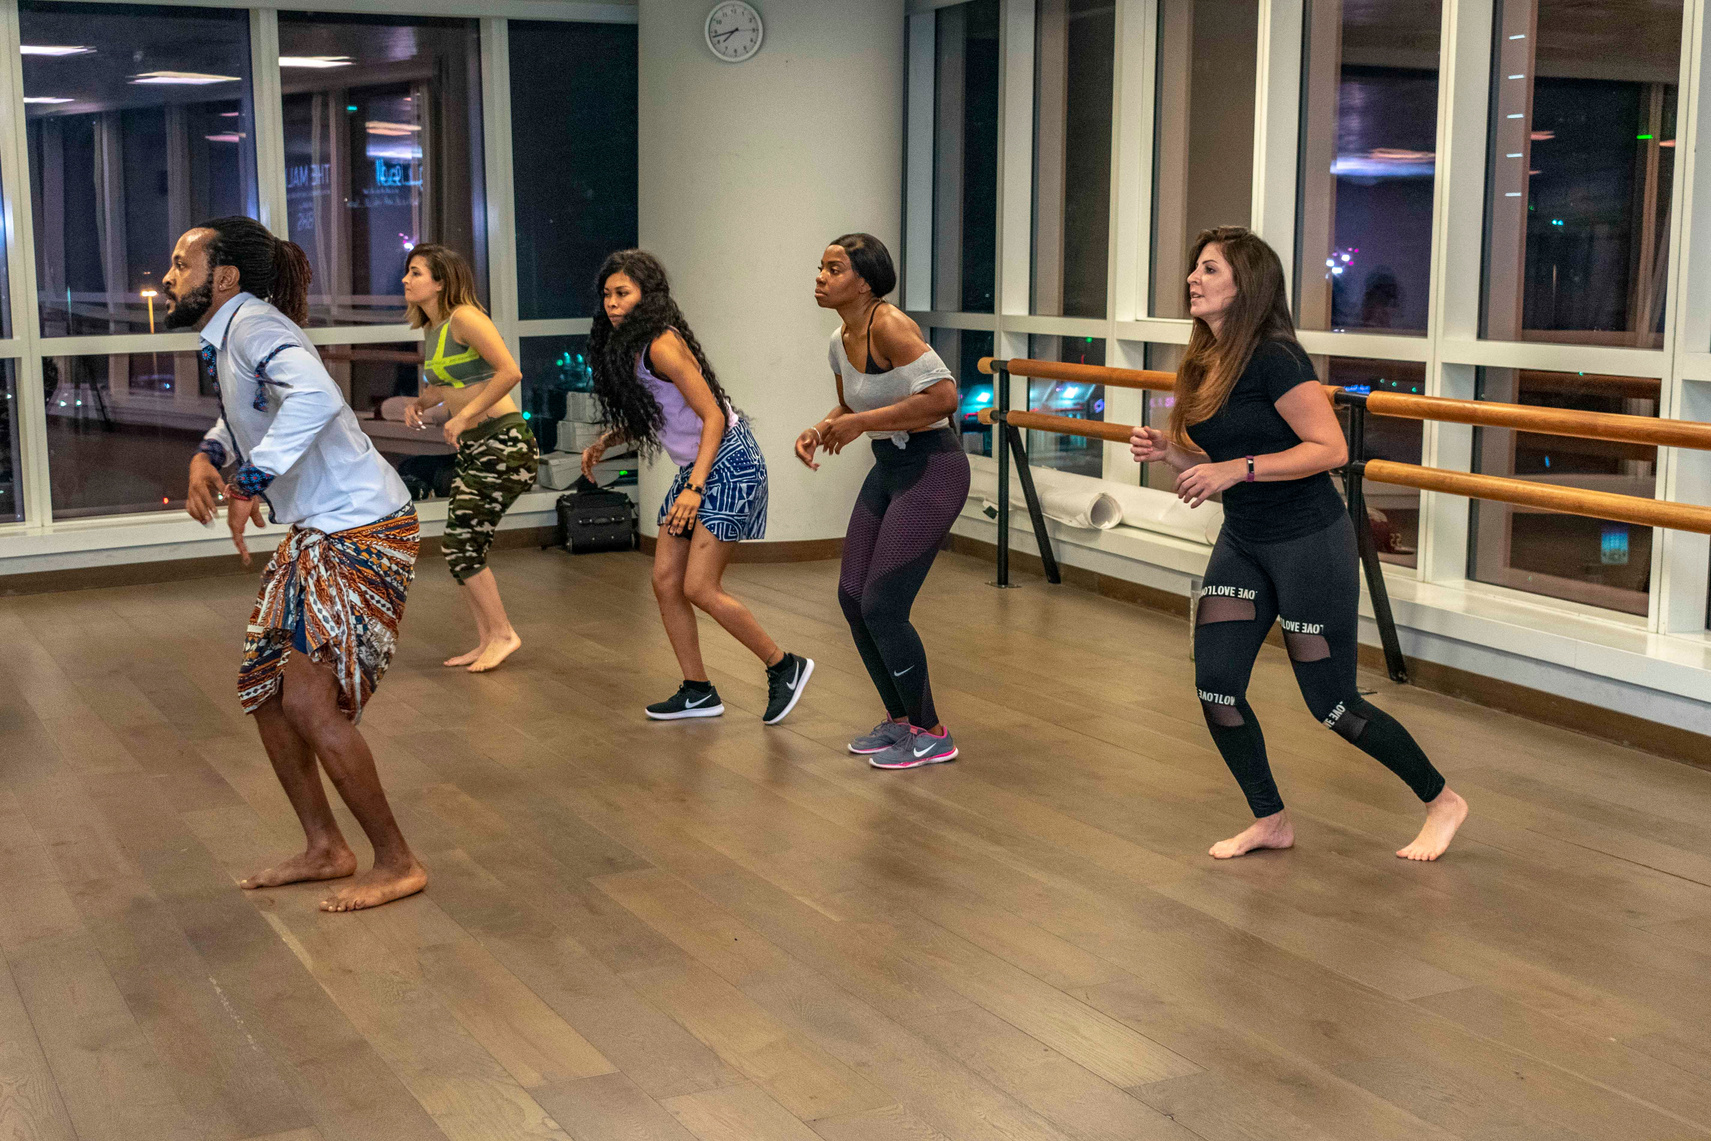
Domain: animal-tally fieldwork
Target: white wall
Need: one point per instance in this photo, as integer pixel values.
(747, 170)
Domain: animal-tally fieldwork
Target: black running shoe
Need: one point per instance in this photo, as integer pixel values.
(687, 702)
(785, 684)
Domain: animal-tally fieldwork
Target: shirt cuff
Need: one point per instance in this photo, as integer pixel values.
(251, 480)
(215, 451)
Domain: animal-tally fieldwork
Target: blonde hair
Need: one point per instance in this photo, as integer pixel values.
(447, 267)
(1259, 313)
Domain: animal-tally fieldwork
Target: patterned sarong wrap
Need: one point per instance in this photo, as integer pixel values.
(345, 593)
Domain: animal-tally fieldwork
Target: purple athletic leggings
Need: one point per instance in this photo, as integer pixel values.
(905, 509)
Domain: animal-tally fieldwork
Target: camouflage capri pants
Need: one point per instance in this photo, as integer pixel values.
(496, 463)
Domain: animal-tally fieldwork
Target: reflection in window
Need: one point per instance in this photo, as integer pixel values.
(961, 350)
(139, 126)
(1394, 512)
(1369, 124)
(1593, 561)
(11, 472)
(382, 151)
(573, 136)
(965, 157)
(1581, 159)
(121, 430)
(1203, 142)
(558, 385)
(1074, 56)
(1083, 455)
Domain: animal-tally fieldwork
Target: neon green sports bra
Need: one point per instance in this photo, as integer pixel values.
(449, 364)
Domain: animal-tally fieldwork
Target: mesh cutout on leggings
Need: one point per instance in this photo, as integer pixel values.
(1306, 647)
(1223, 609)
(1221, 710)
(1348, 725)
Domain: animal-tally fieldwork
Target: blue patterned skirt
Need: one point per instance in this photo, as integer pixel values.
(734, 507)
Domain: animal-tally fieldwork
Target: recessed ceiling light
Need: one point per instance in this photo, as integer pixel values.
(45, 99)
(316, 61)
(182, 78)
(50, 49)
(226, 138)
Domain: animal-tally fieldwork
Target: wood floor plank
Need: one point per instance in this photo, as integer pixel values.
(738, 1113)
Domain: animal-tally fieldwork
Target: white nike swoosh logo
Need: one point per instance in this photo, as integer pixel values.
(703, 701)
(797, 676)
(901, 672)
(919, 753)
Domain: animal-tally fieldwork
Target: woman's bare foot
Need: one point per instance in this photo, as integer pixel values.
(464, 659)
(1443, 816)
(378, 886)
(1274, 831)
(496, 651)
(332, 864)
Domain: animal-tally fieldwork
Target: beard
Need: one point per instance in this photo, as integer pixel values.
(190, 308)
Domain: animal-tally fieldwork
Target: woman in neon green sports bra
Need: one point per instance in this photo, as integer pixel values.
(466, 367)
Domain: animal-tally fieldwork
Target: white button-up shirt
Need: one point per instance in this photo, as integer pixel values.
(304, 446)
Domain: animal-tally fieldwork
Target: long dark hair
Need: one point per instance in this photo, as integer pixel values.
(625, 404)
(275, 270)
(1260, 313)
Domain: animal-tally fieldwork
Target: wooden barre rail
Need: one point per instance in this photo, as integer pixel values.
(1545, 496)
(1609, 426)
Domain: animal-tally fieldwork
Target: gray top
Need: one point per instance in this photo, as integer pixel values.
(865, 391)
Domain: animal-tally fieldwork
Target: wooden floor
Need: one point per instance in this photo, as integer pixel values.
(735, 933)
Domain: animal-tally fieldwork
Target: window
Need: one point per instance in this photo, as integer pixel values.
(965, 157)
(139, 126)
(961, 350)
(1203, 139)
(1083, 455)
(11, 487)
(1394, 512)
(558, 385)
(573, 158)
(1582, 152)
(1369, 125)
(371, 376)
(1156, 412)
(1074, 54)
(382, 151)
(1565, 556)
(121, 429)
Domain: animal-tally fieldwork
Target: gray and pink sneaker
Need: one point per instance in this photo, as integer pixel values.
(883, 736)
(918, 749)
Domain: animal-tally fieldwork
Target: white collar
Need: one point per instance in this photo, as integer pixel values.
(214, 332)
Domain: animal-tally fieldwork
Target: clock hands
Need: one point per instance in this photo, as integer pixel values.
(727, 35)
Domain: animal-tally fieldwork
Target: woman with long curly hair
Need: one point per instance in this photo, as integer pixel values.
(657, 392)
(1251, 422)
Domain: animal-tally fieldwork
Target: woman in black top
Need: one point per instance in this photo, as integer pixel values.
(1250, 421)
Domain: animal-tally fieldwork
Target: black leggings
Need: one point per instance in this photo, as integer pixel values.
(906, 507)
(1313, 584)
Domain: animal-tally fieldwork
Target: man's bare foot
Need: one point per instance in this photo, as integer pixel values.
(1274, 831)
(464, 659)
(334, 864)
(378, 886)
(496, 651)
(1443, 816)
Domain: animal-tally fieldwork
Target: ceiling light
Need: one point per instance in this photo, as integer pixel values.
(182, 78)
(377, 128)
(49, 49)
(316, 61)
(45, 99)
(225, 138)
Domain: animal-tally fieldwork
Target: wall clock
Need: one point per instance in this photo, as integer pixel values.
(734, 30)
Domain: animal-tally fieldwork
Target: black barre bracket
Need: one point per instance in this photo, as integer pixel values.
(1008, 441)
(1354, 493)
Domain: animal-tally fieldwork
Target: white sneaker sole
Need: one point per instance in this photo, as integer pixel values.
(801, 688)
(917, 763)
(709, 711)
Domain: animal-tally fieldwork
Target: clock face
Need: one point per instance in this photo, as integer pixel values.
(733, 31)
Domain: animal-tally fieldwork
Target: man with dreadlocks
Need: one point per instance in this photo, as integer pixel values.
(657, 392)
(326, 623)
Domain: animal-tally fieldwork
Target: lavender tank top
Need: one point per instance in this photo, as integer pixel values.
(680, 435)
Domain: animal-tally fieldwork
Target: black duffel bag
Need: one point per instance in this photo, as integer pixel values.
(590, 519)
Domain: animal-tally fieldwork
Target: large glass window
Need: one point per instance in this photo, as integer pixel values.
(965, 156)
(1083, 455)
(557, 392)
(121, 429)
(962, 349)
(1074, 55)
(382, 151)
(1369, 124)
(1203, 141)
(1393, 512)
(1582, 152)
(139, 126)
(11, 485)
(1593, 561)
(573, 159)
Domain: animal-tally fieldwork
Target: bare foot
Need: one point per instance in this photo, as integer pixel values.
(1443, 816)
(378, 886)
(464, 659)
(1274, 831)
(495, 652)
(304, 867)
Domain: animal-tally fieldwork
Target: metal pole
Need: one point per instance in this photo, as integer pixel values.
(1001, 395)
(1354, 492)
(1048, 558)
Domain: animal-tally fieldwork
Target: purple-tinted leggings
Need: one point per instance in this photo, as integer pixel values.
(904, 511)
